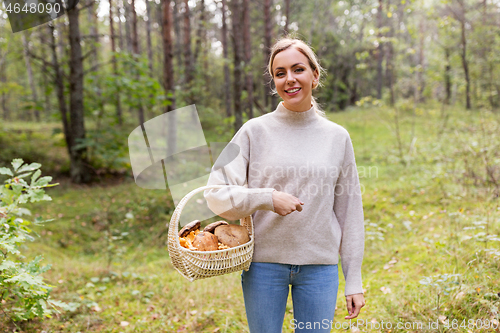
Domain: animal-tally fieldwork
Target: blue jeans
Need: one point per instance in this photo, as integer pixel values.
(314, 295)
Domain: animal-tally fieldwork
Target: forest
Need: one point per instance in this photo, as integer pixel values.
(415, 82)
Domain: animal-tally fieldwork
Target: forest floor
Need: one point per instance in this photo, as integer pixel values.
(432, 250)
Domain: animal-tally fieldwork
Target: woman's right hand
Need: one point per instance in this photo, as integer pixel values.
(285, 203)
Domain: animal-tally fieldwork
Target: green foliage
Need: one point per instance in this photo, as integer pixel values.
(135, 84)
(22, 288)
(444, 283)
(369, 101)
(107, 149)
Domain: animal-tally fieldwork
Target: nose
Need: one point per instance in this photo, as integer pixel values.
(290, 78)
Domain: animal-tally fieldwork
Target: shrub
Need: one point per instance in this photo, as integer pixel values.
(23, 293)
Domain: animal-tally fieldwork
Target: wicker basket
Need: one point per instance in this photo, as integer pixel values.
(195, 265)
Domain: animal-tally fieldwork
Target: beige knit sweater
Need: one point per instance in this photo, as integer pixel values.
(312, 158)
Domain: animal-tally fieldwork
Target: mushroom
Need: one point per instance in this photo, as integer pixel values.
(232, 235)
(191, 226)
(211, 227)
(206, 241)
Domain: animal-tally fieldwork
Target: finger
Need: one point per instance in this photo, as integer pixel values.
(299, 207)
(349, 306)
(353, 313)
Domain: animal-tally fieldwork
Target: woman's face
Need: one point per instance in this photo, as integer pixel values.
(291, 70)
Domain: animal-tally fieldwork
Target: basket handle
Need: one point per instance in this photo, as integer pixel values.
(174, 221)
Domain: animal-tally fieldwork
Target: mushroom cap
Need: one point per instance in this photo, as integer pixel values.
(191, 226)
(211, 227)
(232, 235)
(206, 241)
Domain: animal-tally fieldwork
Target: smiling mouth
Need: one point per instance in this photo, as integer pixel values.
(293, 90)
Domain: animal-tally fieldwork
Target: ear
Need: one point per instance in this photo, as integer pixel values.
(316, 78)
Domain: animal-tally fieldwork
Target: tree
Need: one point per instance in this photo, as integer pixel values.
(78, 154)
(237, 51)
(227, 93)
(113, 60)
(168, 71)
(247, 42)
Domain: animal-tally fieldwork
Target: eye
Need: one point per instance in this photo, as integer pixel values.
(279, 74)
(300, 69)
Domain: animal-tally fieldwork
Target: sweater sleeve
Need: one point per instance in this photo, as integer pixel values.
(348, 208)
(237, 200)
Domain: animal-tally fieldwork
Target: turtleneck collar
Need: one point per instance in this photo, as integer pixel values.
(296, 118)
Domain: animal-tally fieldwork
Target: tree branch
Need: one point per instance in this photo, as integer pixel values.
(88, 53)
(93, 68)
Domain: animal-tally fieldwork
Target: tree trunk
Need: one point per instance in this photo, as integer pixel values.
(61, 32)
(227, 92)
(168, 69)
(3, 80)
(201, 41)
(247, 42)
(389, 64)
(148, 37)
(59, 85)
(188, 57)
(380, 51)
(113, 60)
(199, 31)
(120, 24)
(421, 62)
(267, 51)
(79, 164)
(135, 39)
(135, 50)
(128, 33)
(92, 21)
(465, 64)
(46, 86)
(236, 38)
(31, 81)
(447, 76)
(287, 15)
(178, 34)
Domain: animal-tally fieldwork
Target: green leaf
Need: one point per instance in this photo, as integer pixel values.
(71, 306)
(7, 264)
(24, 174)
(30, 167)
(23, 211)
(43, 181)
(17, 162)
(8, 245)
(6, 171)
(36, 195)
(23, 198)
(36, 175)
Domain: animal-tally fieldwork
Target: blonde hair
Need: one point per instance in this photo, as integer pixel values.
(291, 41)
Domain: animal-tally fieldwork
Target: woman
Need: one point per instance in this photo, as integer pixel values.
(296, 175)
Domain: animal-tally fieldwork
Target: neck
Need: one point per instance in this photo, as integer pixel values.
(296, 118)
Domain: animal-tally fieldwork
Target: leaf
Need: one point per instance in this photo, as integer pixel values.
(43, 181)
(71, 306)
(6, 171)
(17, 162)
(36, 175)
(23, 211)
(7, 264)
(24, 174)
(29, 167)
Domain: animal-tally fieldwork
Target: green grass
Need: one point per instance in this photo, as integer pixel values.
(415, 214)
